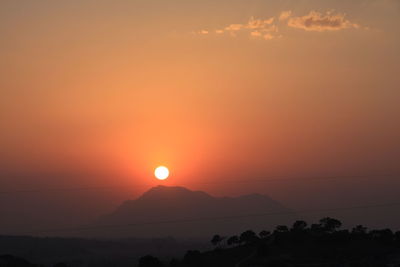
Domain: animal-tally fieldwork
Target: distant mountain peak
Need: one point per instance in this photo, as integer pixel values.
(164, 188)
(171, 192)
(175, 204)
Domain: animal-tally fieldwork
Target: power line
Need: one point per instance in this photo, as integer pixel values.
(305, 178)
(201, 219)
(261, 180)
(87, 188)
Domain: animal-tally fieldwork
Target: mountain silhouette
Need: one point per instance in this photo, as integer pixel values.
(179, 212)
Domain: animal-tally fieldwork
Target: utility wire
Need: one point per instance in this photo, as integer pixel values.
(202, 219)
(261, 180)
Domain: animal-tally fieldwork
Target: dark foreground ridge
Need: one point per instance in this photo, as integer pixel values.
(320, 245)
(323, 244)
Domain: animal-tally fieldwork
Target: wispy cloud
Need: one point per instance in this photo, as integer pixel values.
(285, 15)
(255, 28)
(268, 29)
(316, 21)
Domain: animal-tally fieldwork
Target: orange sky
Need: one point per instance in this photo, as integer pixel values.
(215, 90)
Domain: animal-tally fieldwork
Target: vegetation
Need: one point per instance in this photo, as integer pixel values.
(323, 244)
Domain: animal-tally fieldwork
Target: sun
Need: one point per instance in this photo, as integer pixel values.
(161, 173)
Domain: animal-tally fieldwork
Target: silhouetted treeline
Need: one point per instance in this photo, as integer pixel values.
(323, 244)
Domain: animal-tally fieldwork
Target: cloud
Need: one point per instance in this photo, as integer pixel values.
(316, 21)
(285, 15)
(267, 29)
(256, 34)
(234, 27)
(256, 28)
(258, 23)
(253, 24)
(269, 36)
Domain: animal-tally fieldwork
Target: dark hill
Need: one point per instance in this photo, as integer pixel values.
(179, 212)
(322, 244)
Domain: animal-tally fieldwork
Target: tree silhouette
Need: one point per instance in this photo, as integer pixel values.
(397, 237)
(281, 229)
(264, 234)
(316, 227)
(233, 240)
(330, 225)
(359, 230)
(150, 261)
(248, 237)
(384, 236)
(216, 240)
(299, 226)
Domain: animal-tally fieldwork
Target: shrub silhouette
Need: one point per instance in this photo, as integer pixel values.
(216, 240)
(248, 237)
(299, 226)
(329, 224)
(281, 229)
(264, 234)
(359, 230)
(150, 261)
(233, 240)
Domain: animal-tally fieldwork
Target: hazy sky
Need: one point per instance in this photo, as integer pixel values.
(97, 93)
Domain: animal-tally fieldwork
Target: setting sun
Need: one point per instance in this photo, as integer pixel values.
(161, 173)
